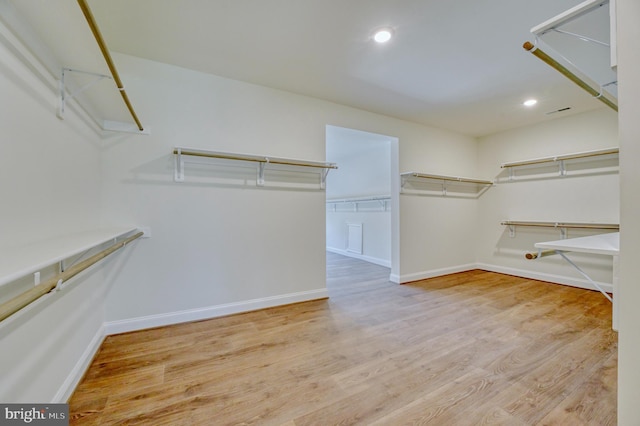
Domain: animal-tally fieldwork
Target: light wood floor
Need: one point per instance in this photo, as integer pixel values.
(474, 348)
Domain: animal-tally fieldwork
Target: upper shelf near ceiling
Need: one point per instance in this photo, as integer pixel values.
(55, 40)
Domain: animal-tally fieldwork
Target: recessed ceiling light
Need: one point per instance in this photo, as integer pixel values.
(383, 35)
(530, 102)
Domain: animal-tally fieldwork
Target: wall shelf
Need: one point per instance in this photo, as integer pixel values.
(62, 42)
(18, 262)
(261, 161)
(562, 226)
(36, 257)
(383, 200)
(559, 160)
(478, 186)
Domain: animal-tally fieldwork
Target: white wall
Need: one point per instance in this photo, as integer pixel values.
(364, 171)
(588, 193)
(50, 173)
(438, 233)
(217, 248)
(629, 290)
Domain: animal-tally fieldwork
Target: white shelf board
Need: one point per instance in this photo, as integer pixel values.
(18, 262)
(606, 244)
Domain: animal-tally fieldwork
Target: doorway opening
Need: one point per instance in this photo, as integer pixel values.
(362, 195)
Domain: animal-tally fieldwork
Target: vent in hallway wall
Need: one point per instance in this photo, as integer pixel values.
(354, 238)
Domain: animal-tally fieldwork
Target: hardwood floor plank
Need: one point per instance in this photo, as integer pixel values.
(589, 403)
(548, 385)
(468, 348)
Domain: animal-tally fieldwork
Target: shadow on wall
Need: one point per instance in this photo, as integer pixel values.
(206, 172)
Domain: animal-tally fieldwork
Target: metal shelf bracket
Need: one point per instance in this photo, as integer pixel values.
(64, 97)
(178, 170)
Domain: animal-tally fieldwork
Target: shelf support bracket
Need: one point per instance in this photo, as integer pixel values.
(512, 231)
(178, 170)
(64, 97)
(563, 169)
(260, 178)
(323, 178)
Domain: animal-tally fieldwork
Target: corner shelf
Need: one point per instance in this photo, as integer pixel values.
(480, 184)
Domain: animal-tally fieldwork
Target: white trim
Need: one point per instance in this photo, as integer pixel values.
(552, 278)
(375, 260)
(150, 321)
(434, 273)
(77, 372)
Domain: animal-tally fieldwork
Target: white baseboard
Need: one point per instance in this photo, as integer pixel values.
(150, 321)
(140, 323)
(432, 273)
(374, 260)
(73, 379)
(556, 279)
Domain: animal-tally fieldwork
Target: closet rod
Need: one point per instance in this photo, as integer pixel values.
(585, 154)
(446, 178)
(536, 255)
(359, 200)
(571, 76)
(254, 158)
(107, 57)
(577, 225)
(22, 300)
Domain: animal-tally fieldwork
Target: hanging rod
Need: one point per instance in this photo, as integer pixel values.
(445, 178)
(571, 76)
(539, 254)
(360, 199)
(254, 158)
(22, 300)
(579, 225)
(262, 161)
(107, 57)
(382, 199)
(585, 154)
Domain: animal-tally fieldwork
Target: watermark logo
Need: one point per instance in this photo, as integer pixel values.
(34, 414)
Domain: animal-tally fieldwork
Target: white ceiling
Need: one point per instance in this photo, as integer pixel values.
(456, 64)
